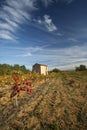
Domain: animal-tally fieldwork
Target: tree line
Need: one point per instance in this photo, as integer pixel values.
(6, 69)
(81, 68)
(78, 68)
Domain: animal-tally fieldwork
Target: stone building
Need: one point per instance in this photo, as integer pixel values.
(40, 68)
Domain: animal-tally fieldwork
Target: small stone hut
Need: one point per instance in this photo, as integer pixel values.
(40, 68)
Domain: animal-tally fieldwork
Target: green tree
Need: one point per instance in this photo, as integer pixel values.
(24, 69)
(55, 70)
(81, 68)
(6, 69)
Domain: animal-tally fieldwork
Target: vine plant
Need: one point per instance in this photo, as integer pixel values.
(17, 87)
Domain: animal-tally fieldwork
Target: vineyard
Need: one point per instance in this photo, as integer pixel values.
(57, 101)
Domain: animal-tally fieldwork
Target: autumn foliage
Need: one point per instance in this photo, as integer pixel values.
(17, 88)
(57, 101)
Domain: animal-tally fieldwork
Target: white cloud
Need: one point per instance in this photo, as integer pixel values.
(11, 23)
(18, 16)
(59, 34)
(47, 2)
(64, 58)
(49, 23)
(13, 14)
(7, 35)
(71, 66)
(24, 52)
(25, 55)
(39, 21)
(46, 23)
(6, 26)
(73, 39)
(23, 4)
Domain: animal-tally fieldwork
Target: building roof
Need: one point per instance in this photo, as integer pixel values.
(40, 64)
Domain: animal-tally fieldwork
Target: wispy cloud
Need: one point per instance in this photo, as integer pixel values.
(47, 2)
(73, 39)
(6, 26)
(7, 35)
(63, 58)
(47, 22)
(17, 14)
(59, 34)
(23, 4)
(66, 1)
(13, 14)
(25, 55)
(50, 2)
(23, 52)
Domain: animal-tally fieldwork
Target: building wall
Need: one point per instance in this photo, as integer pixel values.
(36, 68)
(40, 68)
(43, 69)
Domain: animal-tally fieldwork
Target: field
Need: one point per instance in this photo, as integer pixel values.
(58, 102)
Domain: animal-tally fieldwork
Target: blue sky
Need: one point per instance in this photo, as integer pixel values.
(52, 32)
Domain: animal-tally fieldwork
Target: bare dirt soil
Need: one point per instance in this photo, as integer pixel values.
(58, 103)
